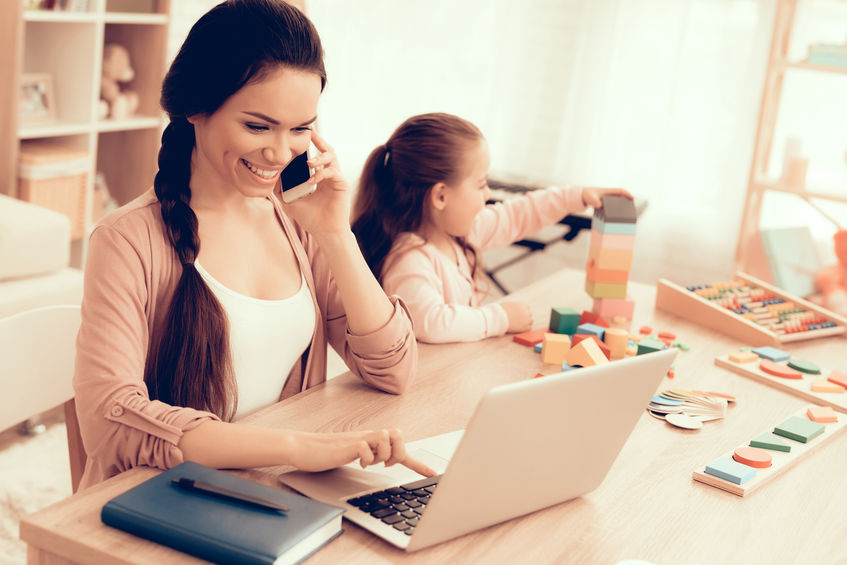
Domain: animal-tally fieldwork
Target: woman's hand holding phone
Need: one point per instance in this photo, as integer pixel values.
(327, 210)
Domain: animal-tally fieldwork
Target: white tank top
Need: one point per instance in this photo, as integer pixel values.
(266, 338)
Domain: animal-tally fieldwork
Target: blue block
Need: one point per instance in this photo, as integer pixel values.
(537, 347)
(772, 353)
(566, 367)
(609, 227)
(731, 470)
(591, 329)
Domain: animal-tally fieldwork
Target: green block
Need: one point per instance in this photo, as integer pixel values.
(770, 441)
(564, 320)
(682, 346)
(648, 345)
(804, 366)
(799, 429)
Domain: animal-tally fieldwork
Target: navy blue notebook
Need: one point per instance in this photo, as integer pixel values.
(221, 530)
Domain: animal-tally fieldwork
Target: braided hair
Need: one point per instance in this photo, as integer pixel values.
(236, 43)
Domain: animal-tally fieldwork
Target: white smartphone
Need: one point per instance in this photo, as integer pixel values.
(294, 176)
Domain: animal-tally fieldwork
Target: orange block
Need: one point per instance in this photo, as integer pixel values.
(616, 339)
(827, 386)
(743, 357)
(586, 353)
(822, 414)
(594, 274)
(530, 338)
(603, 347)
(555, 348)
(614, 259)
(779, 370)
(838, 378)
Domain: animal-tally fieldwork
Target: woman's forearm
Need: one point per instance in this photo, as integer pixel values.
(224, 445)
(365, 302)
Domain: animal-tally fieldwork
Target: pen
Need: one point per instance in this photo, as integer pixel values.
(213, 490)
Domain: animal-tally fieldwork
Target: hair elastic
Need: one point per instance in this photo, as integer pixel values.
(387, 155)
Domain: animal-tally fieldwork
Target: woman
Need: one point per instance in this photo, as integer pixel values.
(206, 298)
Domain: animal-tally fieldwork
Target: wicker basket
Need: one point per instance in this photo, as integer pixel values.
(55, 176)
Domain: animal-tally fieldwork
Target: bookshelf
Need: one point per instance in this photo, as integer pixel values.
(69, 47)
(749, 255)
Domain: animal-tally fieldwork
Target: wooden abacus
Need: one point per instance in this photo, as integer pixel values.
(750, 310)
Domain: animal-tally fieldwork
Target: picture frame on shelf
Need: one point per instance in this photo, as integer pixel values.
(37, 101)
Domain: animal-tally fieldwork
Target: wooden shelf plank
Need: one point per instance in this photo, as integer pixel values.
(54, 16)
(54, 129)
(807, 66)
(777, 186)
(135, 18)
(137, 122)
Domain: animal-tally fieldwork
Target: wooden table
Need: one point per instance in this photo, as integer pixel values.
(648, 507)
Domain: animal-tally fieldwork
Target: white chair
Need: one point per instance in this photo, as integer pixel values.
(37, 352)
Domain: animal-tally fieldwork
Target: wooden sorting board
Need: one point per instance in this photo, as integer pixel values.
(797, 387)
(781, 461)
(682, 302)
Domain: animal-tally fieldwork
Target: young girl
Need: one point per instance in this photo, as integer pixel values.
(206, 298)
(421, 221)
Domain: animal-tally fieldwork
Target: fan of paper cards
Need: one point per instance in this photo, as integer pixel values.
(689, 408)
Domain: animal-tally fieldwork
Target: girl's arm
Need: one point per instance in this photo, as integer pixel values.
(506, 222)
(413, 278)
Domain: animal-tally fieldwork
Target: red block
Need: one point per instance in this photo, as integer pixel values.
(530, 338)
(591, 318)
(603, 347)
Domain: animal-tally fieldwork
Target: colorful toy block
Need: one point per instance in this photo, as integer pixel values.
(784, 452)
(613, 227)
(586, 353)
(838, 378)
(743, 357)
(804, 366)
(649, 345)
(603, 347)
(772, 353)
(593, 318)
(611, 240)
(612, 259)
(779, 375)
(611, 307)
(605, 290)
(596, 275)
(530, 338)
(591, 329)
(564, 320)
(822, 414)
(618, 209)
(538, 346)
(730, 470)
(616, 339)
(555, 348)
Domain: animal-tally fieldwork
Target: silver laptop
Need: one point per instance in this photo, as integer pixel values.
(528, 445)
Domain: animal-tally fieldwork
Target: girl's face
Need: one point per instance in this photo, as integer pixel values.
(466, 197)
(258, 130)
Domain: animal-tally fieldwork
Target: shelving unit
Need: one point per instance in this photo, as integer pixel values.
(749, 255)
(69, 47)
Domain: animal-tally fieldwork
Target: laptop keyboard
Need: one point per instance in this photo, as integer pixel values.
(399, 507)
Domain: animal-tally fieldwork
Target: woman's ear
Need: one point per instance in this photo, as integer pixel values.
(438, 196)
(193, 119)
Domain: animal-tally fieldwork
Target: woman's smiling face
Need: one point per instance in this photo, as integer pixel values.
(257, 132)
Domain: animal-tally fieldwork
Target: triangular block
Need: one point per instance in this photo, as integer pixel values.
(586, 353)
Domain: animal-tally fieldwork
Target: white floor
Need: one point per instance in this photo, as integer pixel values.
(35, 469)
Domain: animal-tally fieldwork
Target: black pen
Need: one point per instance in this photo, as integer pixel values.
(213, 490)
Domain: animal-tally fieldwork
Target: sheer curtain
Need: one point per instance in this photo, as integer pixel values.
(658, 96)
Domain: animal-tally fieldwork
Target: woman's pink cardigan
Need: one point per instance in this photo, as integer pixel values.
(445, 304)
(130, 276)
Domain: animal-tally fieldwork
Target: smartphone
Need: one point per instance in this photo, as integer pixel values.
(294, 176)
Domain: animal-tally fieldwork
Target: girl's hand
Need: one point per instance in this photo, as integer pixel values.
(320, 452)
(591, 195)
(520, 316)
(327, 210)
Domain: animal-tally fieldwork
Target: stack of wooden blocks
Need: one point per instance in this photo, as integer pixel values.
(610, 259)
